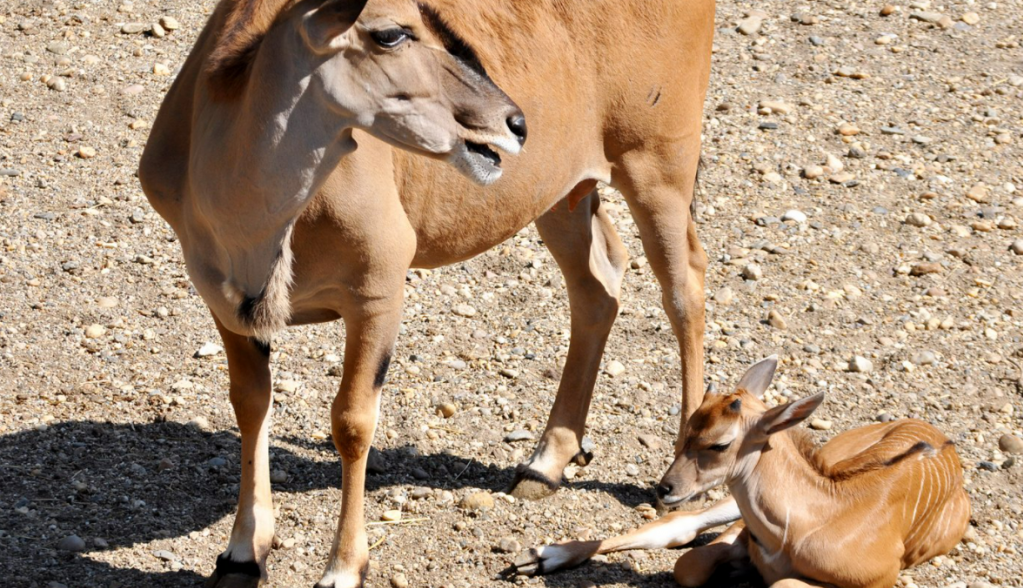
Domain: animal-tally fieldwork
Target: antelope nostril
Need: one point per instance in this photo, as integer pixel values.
(517, 124)
(664, 490)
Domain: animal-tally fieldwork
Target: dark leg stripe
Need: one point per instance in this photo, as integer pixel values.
(381, 375)
(227, 566)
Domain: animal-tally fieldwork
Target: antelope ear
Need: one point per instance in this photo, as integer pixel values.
(324, 27)
(758, 378)
(782, 417)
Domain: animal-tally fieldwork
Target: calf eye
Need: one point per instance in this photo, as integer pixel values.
(720, 447)
(390, 38)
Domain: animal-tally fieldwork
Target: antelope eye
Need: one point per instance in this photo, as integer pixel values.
(718, 448)
(390, 38)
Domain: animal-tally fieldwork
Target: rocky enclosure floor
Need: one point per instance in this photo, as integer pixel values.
(860, 204)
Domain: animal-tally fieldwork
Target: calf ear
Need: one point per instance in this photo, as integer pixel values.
(758, 378)
(782, 417)
(324, 27)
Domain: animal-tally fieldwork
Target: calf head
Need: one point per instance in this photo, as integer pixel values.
(724, 437)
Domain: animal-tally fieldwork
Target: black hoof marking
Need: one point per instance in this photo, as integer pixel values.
(522, 472)
(583, 458)
(226, 566)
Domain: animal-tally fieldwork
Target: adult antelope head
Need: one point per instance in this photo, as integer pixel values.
(391, 67)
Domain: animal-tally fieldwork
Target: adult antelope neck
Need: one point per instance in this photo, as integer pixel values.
(258, 155)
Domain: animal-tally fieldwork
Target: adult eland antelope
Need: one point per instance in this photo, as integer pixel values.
(871, 502)
(245, 162)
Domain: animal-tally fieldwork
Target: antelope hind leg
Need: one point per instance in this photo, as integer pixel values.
(592, 259)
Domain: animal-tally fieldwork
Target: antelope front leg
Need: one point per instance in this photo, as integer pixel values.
(243, 564)
(672, 530)
(370, 340)
(697, 565)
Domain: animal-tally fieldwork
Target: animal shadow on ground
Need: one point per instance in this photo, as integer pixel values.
(117, 485)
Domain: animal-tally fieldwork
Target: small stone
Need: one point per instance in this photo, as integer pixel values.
(614, 368)
(165, 555)
(841, 178)
(820, 424)
(72, 543)
(518, 435)
(848, 130)
(464, 310)
(794, 215)
(133, 28)
(925, 358)
(918, 219)
(508, 545)
(1011, 444)
(509, 373)
(724, 296)
(987, 465)
(970, 18)
(95, 331)
(107, 302)
(216, 462)
(447, 409)
(923, 269)
(860, 365)
(287, 386)
(391, 516)
(1017, 247)
(209, 350)
(978, 193)
(278, 476)
(478, 501)
(776, 106)
(776, 320)
(399, 580)
(57, 48)
(750, 25)
(631, 469)
(888, 9)
(57, 84)
(170, 23)
(161, 69)
(752, 272)
(650, 441)
(812, 172)
(937, 18)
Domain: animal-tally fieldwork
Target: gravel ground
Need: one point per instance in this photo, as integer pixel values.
(859, 205)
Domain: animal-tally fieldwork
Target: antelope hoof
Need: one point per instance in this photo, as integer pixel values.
(234, 574)
(532, 485)
(583, 458)
(551, 558)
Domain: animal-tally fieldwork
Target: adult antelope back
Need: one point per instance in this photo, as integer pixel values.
(613, 91)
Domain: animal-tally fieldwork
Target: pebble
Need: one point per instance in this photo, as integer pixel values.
(918, 219)
(165, 555)
(478, 501)
(72, 543)
(812, 172)
(942, 20)
(776, 320)
(287, 386)
(518, 435)
(391, 516)
(970, 18)
(464, 310)
(794, 215)
(1017, 247)
(95, 331)
(209, 350)
(614, 368)
(509, 373)
(107, 302)
(978, 193)
(161, 69)
(1011, 444)
(650, 441)
(724, 296)
(632, 469)
(133, 28)
(925, 358)
(57, 47)
(278, 476)
(888, 9)
(848, 129)
(447, 409)
(923, 269)
(508, 545)
(752, 272)
(820, 424)
(57, 84)
(170, 23)
(750, 25)
(860, 365)
(399, 580)
(776, 106)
